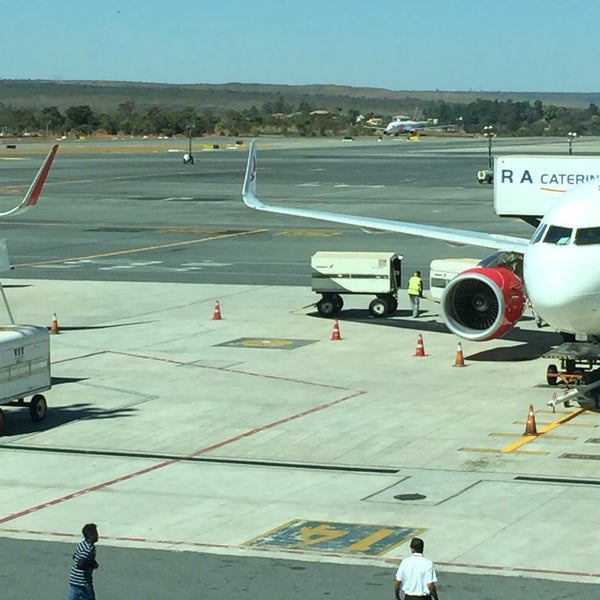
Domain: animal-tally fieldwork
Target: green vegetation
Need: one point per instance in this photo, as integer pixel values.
(84, 108)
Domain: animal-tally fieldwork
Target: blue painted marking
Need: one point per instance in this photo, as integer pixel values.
(341, 538)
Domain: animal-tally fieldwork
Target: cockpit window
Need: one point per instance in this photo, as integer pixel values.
(587, 236)
(558, 235)
(538, 233)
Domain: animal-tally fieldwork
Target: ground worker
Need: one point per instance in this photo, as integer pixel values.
(415, 292)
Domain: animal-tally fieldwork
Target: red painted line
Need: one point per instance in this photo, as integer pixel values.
(171, 461)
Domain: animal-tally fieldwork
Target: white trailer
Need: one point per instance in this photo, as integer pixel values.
(373, 273)
(24, 368)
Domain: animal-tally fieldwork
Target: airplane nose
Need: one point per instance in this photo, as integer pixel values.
(564, 295)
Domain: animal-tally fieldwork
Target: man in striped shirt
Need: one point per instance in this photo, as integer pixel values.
(84, 562)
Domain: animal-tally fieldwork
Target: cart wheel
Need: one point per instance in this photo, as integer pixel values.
(379, 307)
(392, 303)
(552, 375)
(329, 305)
(339, 302)
(38, 408)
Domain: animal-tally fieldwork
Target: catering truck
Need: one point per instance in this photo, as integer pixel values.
(525, 186)
(334, 274)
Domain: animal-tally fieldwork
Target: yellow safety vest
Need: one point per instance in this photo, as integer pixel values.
(415, 286)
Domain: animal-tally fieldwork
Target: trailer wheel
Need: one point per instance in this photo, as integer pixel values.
(552, 375)
(339, 302)
(379, 307)
(328, 306)
(392, 303)
(38, 408)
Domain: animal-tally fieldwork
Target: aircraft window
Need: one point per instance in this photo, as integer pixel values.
(587, 236)
(558, 235)
(538, 233)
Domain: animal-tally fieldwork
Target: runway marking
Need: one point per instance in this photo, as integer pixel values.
(501, 451)
(528, 438)
(142, 249)
(548, 436)
(339, 538)
(274, 343)
(177, 459)
(309, 232)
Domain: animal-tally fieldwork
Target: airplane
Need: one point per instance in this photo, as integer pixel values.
(33, 193)
(556, 271)
(398, 126)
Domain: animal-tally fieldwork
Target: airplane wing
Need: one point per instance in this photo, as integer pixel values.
(33, 193)
(453, 236)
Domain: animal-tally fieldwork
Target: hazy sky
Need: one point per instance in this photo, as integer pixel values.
(480, 45)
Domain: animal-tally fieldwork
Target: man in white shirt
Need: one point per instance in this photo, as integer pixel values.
(416, 575)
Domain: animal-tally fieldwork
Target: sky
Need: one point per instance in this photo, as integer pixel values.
(454, 45)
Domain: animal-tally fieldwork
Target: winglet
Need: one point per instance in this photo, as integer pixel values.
(249, 188)
(33, 193)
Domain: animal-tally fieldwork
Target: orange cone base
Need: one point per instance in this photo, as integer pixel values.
(530, 428)
(54, 326)
(459, 361)
(420, 351)
(335, 334)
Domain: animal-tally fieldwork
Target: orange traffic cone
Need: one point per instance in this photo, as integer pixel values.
(420, 351)
(335, 334)
(217, 312)
(459, 361)
(530, 428)
(54, 325)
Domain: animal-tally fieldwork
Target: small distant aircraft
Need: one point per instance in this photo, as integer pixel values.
(399, 126)
(33, 193)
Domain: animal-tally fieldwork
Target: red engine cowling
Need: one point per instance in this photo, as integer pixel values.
(483, 303)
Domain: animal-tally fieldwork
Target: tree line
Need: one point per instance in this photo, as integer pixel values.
(280, 117)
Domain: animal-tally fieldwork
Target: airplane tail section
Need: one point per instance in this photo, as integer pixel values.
(249, 188)
(33, 193)
(416, 113)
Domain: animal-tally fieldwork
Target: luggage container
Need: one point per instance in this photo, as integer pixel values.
(24, 368)
(375, 273)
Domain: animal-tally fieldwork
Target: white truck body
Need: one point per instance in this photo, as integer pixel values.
(528, 185)
(355, 272)
(24, 361)
(443, 270)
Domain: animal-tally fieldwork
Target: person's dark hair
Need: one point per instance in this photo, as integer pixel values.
(418, 273)
(89, 530)
(417, 545)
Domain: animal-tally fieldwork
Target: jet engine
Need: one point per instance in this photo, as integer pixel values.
(483, 303)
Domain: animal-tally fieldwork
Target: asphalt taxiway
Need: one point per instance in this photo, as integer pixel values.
(256, 435)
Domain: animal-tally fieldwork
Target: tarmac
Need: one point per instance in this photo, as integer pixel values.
(257, 434)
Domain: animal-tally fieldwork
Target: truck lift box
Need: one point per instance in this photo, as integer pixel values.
(442, 270)
(528, 185)
(24, 368)
(336, 273)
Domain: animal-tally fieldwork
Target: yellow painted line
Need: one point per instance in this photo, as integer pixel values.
(142, 249)
(364, 544)
(582, 425)
(500, 451)
(308, 232)
(528, 438)
(548, 436)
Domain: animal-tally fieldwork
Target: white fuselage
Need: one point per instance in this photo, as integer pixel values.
(562, 263)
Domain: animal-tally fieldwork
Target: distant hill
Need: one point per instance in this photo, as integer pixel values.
(105, 96)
